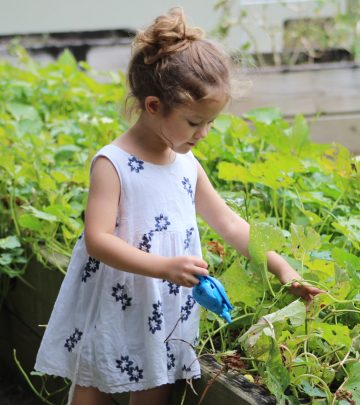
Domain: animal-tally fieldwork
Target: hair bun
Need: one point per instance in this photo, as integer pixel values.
(168, 34)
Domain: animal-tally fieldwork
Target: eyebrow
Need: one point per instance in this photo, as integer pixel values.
(197, 117)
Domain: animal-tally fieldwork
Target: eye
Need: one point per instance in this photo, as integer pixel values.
(193, 124)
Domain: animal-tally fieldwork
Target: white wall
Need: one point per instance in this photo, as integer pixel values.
(41, 16)
(30, 16)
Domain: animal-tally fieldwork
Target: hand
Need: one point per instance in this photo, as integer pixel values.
(182, 270)
(305, 291)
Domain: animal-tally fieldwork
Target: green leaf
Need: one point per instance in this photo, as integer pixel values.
(22, 111)
(299, 134)
(350, 227)
(6, 259)
(30, 222)
(41, 214)
(66, 58)
(232, 172)
(10, 242)
(265, 115)
(295, 312)
(276, 375)
(264, 238)
(303, 240)
(335, 335)
(312, 391)
(353, 383)
(240, 286)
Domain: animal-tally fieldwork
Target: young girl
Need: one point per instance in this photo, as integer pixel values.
(130, 278)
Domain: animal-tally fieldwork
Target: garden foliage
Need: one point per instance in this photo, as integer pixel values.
(302, 199)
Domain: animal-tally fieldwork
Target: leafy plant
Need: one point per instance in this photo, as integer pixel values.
(52, 120)
(301, 199)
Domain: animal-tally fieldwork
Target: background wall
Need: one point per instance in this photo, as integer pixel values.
(41, 16)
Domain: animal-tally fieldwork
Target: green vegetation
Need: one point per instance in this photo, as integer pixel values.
(301, 198)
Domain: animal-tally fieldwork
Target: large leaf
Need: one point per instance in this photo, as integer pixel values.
(295, 312)
(264, 115)
(10, 242)
(304, 240)
(240, 286)
(264, 238)
(353, 383)
(335, 335)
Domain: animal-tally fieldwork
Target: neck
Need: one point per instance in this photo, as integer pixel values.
(145, 135)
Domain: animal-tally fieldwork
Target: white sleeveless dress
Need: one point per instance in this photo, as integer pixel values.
(119, 331)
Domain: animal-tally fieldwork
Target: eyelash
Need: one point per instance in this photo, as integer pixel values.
(193, 124)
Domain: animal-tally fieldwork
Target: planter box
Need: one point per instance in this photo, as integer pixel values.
(229, 388)
(25, 308)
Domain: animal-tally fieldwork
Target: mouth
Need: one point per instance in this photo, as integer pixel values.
(191, 143)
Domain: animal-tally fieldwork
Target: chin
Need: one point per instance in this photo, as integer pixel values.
(182, 148)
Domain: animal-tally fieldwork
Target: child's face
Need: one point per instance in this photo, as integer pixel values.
(187, 125)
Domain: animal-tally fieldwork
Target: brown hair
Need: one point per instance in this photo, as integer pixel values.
(174, 62)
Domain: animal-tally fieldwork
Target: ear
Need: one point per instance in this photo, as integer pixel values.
(153, 105)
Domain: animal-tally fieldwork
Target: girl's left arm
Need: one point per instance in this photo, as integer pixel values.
(235, 231)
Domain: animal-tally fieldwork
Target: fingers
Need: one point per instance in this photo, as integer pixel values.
(202, 267)
(200, 262)
(193, 280)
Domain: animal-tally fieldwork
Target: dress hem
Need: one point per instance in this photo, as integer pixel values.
(121, 388)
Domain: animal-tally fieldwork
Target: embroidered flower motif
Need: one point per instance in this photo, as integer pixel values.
(135, 164)
(135, 374)
(126, 365)
(73, 340)
(188, 237)
(187, 369)
(92, 266)
(170, 357)
(161, 222)
(145, 244)
(173, 288)
(120, 295)
(188, 187)
(186, 310)
(155, 321)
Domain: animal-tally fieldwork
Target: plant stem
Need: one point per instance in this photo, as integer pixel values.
(336, 202)
(23, 372)
(276, 212)
(265, 275)
(284, 210)
(222, 327)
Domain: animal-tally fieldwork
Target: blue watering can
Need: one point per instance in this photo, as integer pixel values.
(211, 294)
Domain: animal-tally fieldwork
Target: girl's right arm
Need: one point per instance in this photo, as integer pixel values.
(100, 218)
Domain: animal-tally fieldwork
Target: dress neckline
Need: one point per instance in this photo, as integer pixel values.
(145, 161)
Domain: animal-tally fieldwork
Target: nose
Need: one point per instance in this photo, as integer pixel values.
(201, 132)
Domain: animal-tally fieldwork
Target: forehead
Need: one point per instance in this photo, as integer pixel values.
(206, 108)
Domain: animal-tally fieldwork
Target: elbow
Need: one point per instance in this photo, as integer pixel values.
(91, 245)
